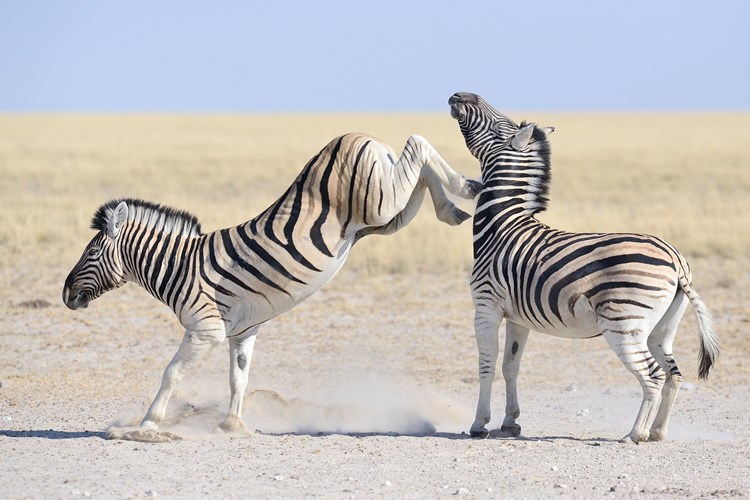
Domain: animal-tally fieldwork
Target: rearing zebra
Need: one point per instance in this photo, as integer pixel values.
(632, 289)
(226, 283)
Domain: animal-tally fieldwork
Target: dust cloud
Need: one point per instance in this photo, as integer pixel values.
(362, 407)
(372, 406)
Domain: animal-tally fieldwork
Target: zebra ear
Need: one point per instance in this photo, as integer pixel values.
(522, 138)
(116, 220)
(548, 130)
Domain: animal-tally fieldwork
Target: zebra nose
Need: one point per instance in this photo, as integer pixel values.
(463, 97)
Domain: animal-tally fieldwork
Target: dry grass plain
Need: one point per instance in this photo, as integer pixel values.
(345, 385)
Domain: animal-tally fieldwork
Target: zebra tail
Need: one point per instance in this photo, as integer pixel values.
(709, 346)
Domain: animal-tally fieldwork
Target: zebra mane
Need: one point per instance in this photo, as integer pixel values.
(173, 220)
(540, 145)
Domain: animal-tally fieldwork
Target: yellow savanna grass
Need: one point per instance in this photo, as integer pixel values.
(685, 177)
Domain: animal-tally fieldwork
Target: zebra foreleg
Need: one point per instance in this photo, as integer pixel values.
(515, 341)
(486, 325)
(240, 355)
(456, 183)
(445, 210)
(660, 345)
(402, 185)
(195, 344)
(630, 346)
(401, 219)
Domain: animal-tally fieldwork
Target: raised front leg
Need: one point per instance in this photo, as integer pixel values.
(195, 344)
(486, 325)
(404, 217)
(515, 341)
(445, 210)
(455, 182)
(240, 356)
(402, 187)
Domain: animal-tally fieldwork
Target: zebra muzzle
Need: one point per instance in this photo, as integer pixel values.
(75, 300)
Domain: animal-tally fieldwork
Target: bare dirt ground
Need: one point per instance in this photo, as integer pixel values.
(345, 391)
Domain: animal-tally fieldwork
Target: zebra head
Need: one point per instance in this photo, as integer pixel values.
(100, 267)
(486, 130)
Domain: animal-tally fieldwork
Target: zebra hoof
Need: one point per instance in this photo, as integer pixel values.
(149, 425)
(633, 438)
(232, 425)
(459, 215)
(451, 214)
(482, 433)
(657, 435)
(473, 188)
(513, 430)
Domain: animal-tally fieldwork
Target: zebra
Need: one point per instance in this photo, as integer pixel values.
(632, 289)
(225, 284)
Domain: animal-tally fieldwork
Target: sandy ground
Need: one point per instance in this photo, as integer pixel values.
(344, 393)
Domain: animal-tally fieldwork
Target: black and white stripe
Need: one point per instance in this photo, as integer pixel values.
(630, 288)
(225, 283)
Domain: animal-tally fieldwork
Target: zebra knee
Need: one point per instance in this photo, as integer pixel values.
(211, 337)
(171, 377)
(417, 143)
(658, 378)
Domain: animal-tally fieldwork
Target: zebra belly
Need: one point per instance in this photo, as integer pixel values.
(251, 311)
(578, 322)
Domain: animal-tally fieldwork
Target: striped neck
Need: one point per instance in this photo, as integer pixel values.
(514, 183)
(155, 246)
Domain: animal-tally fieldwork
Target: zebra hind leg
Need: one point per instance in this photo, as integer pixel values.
(515, 341)
(628, 341)
(660, 345)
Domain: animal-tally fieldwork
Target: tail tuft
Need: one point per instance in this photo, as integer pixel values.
(709, 346)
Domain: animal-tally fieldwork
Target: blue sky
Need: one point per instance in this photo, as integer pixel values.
(282, 56)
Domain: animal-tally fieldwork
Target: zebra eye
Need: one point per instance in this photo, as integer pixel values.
(92, 251)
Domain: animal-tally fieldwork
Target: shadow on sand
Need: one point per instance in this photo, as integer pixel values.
(494, 435)
(53, 434)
